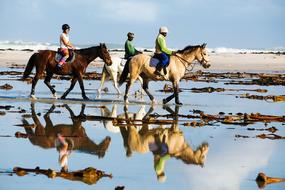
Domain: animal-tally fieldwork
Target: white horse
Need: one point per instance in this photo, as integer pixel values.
(113, 71)
(108, 124)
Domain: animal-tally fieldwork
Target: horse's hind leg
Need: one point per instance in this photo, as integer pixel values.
(47, 82)
(34, 83)
(102, 80)
(145, 87)
(73, 82)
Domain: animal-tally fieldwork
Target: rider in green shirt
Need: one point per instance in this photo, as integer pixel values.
(161, 50)
(130, 50)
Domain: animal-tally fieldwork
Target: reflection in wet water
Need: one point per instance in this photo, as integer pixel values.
(147, 148)
(164, 142)
(63, 137)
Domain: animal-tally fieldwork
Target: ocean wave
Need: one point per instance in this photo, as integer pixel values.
(34, 46)
(224, 50)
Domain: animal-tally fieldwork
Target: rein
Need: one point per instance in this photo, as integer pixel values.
(183, 61)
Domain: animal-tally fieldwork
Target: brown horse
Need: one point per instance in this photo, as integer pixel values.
(45, 136)
(139, 65)
(44, 60)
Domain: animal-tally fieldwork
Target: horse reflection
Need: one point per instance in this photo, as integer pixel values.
(75, 135)
(108, 124)
(164, 143)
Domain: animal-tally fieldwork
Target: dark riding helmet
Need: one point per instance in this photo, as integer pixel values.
(65, 27)
(131, 35)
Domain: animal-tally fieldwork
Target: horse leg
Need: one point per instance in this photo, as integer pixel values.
(34, 83)
(145, 87)
(47, 82)
(102, 80)
(115, 80)
(176, 93)
(80, 80)
(168, 98)
(129, 84)
(73, 82)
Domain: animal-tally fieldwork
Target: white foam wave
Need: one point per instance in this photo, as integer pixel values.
(223, 50)
(22, 45)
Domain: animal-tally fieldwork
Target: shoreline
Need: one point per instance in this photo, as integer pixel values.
(231, 62)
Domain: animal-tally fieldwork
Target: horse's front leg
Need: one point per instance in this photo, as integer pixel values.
(47, 82)
(176, 93)
(129, 84)
(73, 82)
(80, 80)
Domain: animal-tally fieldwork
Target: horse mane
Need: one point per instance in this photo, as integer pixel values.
(188, 49)
(86, 51)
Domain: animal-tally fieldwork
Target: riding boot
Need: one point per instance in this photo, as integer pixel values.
(58, 67)
(158, 70)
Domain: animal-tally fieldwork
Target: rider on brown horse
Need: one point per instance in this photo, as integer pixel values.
(65, 45)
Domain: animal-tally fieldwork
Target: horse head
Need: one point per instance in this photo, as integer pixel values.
(202, 56)
(196, 157)
(104, 54)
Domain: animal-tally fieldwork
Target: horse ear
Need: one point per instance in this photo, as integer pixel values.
(204, 45)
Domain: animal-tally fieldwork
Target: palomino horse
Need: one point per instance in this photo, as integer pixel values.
(46, 136)
(45, 61)
(141, 141)
(140, 66)
(114, 71)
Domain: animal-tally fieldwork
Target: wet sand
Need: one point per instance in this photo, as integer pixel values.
(219, 139)
(222, 62)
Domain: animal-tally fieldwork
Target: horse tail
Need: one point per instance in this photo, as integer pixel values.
(125, 73)
(30, 65)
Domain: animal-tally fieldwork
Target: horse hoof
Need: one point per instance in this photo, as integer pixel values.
(179, 103)
(154, 102)
(62, 97)
(85, 98)
(54, 96)
(164, 101)
(33, 97)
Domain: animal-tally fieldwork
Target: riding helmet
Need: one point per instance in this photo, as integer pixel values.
(65, 27)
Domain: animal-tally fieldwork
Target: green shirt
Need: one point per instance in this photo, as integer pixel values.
(159, 166)
(129, 49)
(160, 45)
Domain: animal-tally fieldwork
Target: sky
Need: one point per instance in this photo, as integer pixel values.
(219, 23)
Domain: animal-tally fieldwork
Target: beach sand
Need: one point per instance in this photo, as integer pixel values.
(230, 62)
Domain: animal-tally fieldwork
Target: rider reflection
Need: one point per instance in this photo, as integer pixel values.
(64, 149)
(160, 150)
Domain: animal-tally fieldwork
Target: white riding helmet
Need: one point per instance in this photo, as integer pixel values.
(163, 29)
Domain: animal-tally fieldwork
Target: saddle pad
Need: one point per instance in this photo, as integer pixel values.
(58, 56)
(123, 62)
(153, 62)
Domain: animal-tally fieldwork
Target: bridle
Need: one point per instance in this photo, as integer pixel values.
(184, 62)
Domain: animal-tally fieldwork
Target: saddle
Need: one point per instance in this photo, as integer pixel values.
(154, 61)
(59, 55)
